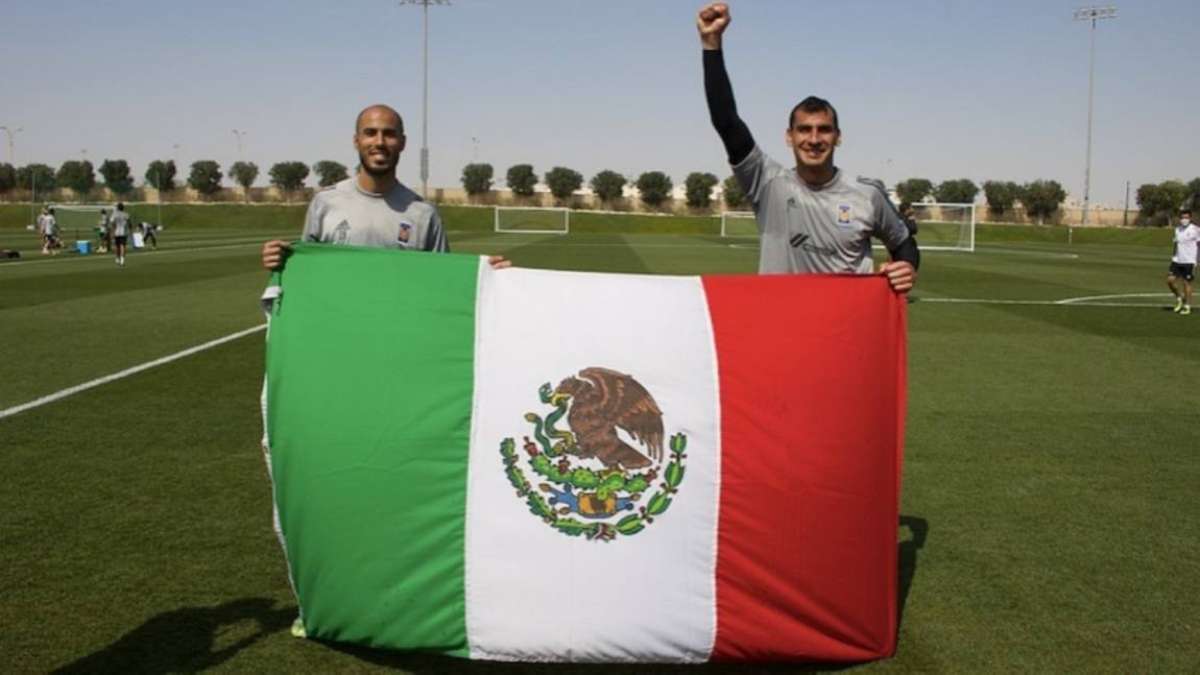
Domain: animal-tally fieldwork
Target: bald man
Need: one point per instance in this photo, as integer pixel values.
(373, 208)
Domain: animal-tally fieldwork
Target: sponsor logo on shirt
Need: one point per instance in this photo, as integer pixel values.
(800, 240)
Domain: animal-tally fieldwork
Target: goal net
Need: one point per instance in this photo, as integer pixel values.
(945, 227)
(533, 220)
(78, 221)
(738, 224)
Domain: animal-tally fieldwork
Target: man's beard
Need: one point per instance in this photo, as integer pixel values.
(389, 170)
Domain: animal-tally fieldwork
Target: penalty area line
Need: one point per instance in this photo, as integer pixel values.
(59, 395)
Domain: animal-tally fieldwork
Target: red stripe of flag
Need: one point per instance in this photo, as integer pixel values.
(812, 385)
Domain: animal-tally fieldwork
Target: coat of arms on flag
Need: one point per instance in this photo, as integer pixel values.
(593, 482)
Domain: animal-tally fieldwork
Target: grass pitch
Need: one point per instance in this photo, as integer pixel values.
(1049, 523)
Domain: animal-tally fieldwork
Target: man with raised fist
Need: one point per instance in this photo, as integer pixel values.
(812, 219)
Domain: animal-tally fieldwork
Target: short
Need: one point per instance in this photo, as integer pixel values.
(1182, 271)
(119, 240)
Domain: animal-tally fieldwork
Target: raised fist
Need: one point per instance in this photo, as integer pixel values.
(712, 21)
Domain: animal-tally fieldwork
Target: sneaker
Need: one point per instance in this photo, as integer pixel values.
(1187, 309)
(1178, 305)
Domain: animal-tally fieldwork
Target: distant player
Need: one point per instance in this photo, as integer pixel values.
(1183, 263)
(119, 225)
(812, 218)
(102, 237)
(148, 238)
(49, 227)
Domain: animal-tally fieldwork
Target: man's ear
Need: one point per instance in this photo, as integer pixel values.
(403, 142)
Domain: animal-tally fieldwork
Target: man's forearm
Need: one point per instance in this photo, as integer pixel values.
(908, 252)
(722, 109)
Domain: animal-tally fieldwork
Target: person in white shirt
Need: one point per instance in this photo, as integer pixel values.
(49, 227)
(120, 227)
(1183, 263)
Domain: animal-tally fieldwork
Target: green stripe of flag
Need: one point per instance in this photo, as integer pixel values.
(355, 415)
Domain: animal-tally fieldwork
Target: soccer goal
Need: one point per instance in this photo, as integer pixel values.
(945, 227)
(738, 224)
(78, 221)
(533, 220)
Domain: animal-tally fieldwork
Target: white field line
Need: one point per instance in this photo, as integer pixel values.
(1017, 251)
(1090, 301)
(1090, 298)
(58, 395)
(108, 256)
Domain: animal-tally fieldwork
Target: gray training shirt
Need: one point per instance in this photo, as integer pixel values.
(119, 223)
(347, 214)
(826, 229)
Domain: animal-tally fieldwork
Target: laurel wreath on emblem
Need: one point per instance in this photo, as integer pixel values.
(581, 500)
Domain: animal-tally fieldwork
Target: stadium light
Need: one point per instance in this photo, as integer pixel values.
(11, 133)
(239, 134)
(425, 97)
(1091, 14)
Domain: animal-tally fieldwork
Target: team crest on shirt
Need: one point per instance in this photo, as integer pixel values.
(585, 479)
(843, 215)
(341, 233)
(405, 232)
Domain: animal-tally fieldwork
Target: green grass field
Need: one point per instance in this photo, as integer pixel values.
(1049, 517)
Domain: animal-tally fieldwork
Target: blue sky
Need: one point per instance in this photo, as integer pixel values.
(983, 90)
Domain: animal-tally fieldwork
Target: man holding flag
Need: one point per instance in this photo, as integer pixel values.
(813, 219)
(372, 208)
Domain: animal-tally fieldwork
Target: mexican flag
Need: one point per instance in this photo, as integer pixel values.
(536, 465)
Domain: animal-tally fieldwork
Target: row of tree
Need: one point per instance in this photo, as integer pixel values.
(1157, 203)
(205, 176)
(654, 187)
(1041, 198)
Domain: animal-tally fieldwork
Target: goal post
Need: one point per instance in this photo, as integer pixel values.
(738, 224)
(79, 219)
(945, 227)
(532, 220)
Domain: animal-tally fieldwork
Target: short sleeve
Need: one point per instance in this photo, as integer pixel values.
(755, 172)
(312, 221)
(435, 239)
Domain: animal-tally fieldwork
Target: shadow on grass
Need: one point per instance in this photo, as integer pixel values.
(919, 527)
(185, 640)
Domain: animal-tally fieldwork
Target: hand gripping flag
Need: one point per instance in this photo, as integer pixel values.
(536, 465)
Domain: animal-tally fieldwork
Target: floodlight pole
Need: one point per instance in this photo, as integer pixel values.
(425, 96)
(1091, 14)
(11, 133)
(239, 134)
(1125, 218)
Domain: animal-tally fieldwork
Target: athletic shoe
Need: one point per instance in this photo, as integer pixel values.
(1178, 305)
(1187, 309)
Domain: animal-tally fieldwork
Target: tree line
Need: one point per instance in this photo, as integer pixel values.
(1041, 199)
(1157, 203)
(654, 187)
(205, 176)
